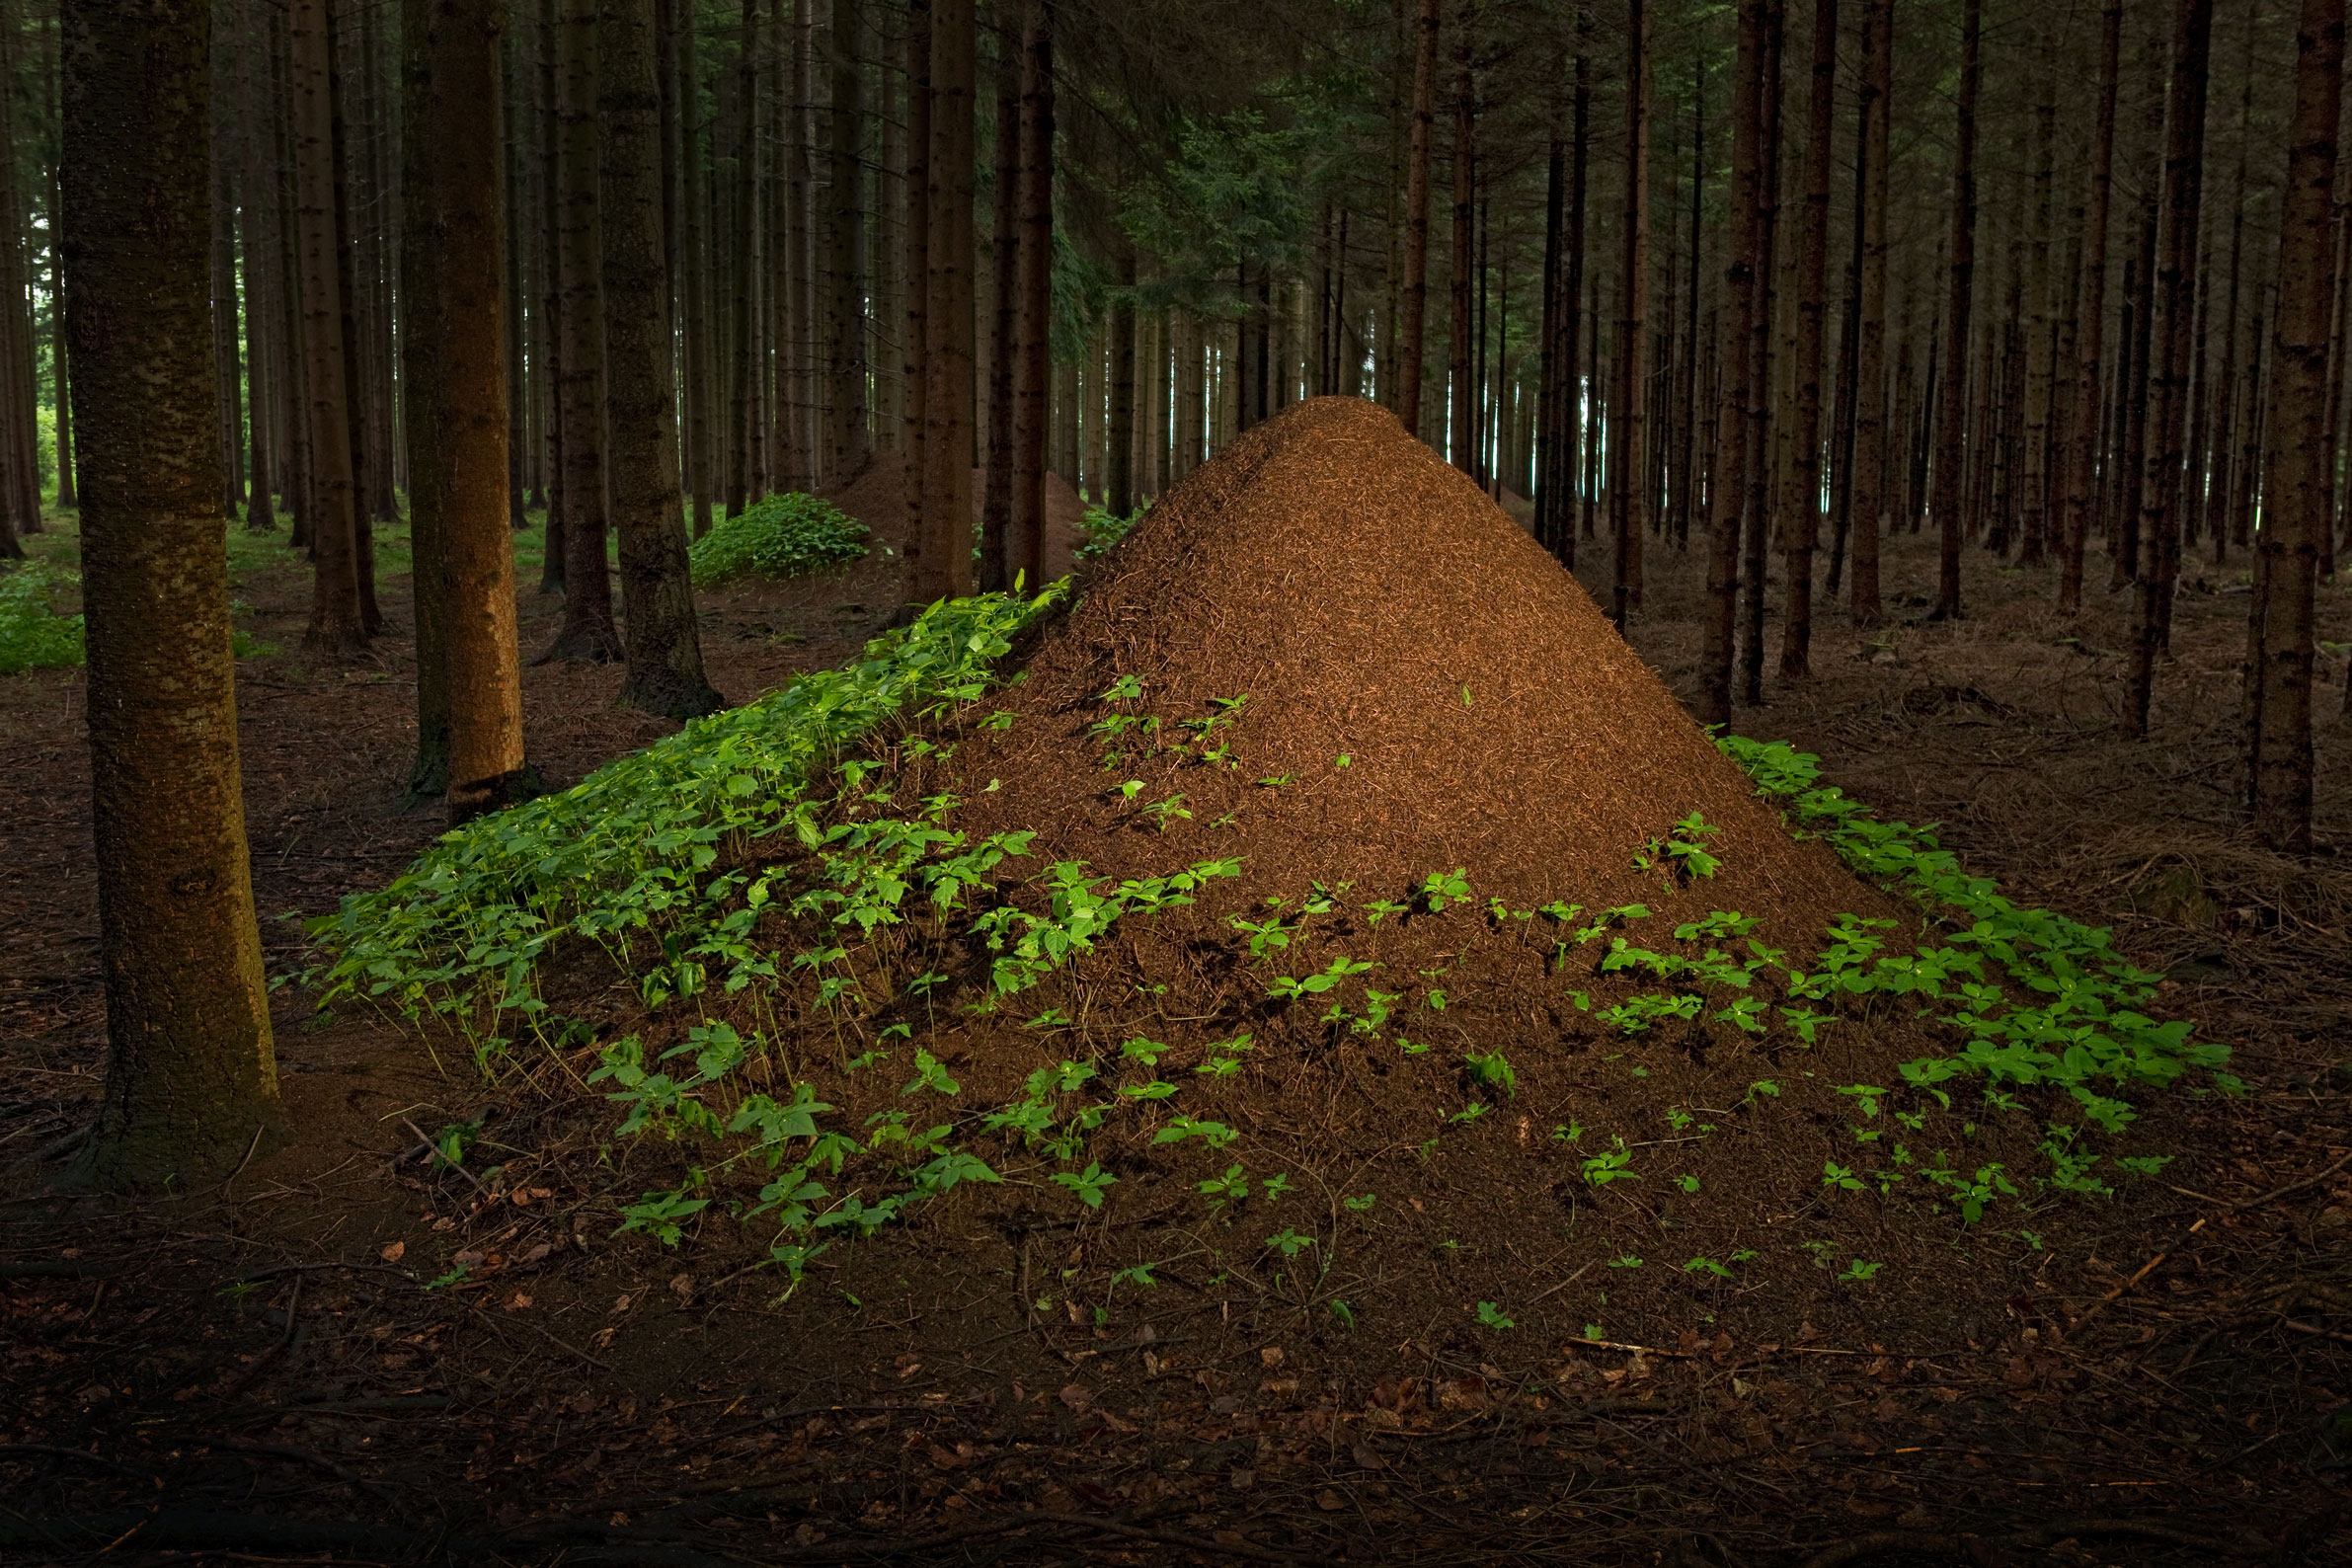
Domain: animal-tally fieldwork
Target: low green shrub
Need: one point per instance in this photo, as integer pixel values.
(789, 535)
(31, 637)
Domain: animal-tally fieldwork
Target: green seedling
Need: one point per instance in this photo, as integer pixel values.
(1491, 1316)
(1491, 1071)
(1088, 1184)
(1288, 1242)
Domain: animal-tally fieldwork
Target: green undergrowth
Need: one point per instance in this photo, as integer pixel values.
(799, 919)
(794, 534)
(32, 636)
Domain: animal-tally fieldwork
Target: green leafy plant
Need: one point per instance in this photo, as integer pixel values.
(788, 535)
(1610, 1165)
(1088, 1184)
(1491, 1316)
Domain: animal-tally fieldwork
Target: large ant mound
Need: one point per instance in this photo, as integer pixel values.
(1354, 666)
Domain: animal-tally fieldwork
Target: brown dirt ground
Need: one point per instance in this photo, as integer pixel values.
(251, 1352)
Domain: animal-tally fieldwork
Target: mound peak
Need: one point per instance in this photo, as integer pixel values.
(1422, 688)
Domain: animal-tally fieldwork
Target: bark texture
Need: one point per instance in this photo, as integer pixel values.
(191, 1081)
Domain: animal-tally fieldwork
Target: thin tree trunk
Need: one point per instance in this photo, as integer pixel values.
(1952, 415)
(1414, 305)
(694, 252)
(1801, 530)
(337, 626)
(925, 580)
(663, 645)
(1727, 487)
(1033, 350)
(2173, 299)
(1120, 489)
(1871, 391)
(2299, 492)
(2091, 312)
(1463, 270)
(1628, 508)
(846, 439)
(1005, 240)
(191, 1080)
(948, 324)
(587, 631)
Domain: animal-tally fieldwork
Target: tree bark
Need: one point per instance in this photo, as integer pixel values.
(587, 631)
(1727, 487)
(2091, 314)
(1033, 351)
(1120, 439)
(192, 1079)
(663, 644)
(694, 253)
(847, 440)
(456, 391)
(1463, 411)
(1628, 489)
(948, 325)
(1869, 487)
(336, 623)
(1414, 305)
(926, 577)
(1801, 528)
(2298, 498)
(1951, 419)
(2174, 299)
(1004, 255)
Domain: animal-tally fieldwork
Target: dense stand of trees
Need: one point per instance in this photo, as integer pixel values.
(1770, 281)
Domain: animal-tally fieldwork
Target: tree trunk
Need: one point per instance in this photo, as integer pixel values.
(59, 360)
(1120, 488)
(425, 351)
(847, 441)
(1727, 487)
(1464, 403)
(1033, 351)
(2174, 297)
(1004, 255)
(2298, 495)
(1952, 415)
(336, 625)
(694, 256)
(947, 313)
(587, 631)
(1628, 509)
(551, 290)
(926, 577)
(1801, 528)
(192, 1079)
(2091, 313)
(663, 645)
(1414, 305)
(1770, 290)
(356, 355)
(1870, 504)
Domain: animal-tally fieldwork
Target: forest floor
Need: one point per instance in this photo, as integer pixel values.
(253, 1373)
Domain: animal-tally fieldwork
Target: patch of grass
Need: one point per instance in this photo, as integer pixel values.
(794, 534)
(32, 636)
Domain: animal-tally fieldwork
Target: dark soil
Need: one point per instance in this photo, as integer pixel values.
(246, 1371)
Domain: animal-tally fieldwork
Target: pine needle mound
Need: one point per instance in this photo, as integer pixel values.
(1371, 605)
(1325, 907)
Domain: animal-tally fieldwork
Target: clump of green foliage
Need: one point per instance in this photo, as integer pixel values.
(1104, 528)
(632, 847)
(31, 637)
(2084, 1023)
(789, 535)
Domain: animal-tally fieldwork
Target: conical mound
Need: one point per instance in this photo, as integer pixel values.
(1425, 686)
